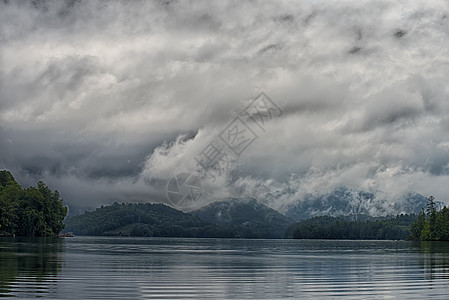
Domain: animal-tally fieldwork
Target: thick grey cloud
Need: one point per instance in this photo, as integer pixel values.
(106, 100)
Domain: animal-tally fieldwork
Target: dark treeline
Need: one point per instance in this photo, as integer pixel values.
(431, 224)
(34, 211)
(326, 227)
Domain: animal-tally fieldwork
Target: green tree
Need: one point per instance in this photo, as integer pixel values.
(441, 232)
(417, 227)
(432, 226)
(29, 212)
(432, 217)
(53, 208)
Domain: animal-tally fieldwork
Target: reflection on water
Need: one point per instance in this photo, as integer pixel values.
(130, 268)
(435, 259)
(29, 265)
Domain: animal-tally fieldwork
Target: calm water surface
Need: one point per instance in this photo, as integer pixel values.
(140, 268)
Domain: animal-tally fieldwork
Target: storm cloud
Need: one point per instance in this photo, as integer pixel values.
(107, 100)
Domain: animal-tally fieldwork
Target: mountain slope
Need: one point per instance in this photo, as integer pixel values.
(248, 217)
(147, 219)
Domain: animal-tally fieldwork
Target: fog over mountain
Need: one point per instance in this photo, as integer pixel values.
(107, 100)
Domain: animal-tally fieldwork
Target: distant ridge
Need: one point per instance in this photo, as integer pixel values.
(250, 218)
(344, 201)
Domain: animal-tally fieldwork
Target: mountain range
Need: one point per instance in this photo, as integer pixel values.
(236, 217)
(344, 201)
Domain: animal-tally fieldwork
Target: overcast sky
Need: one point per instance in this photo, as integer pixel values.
(106, 100)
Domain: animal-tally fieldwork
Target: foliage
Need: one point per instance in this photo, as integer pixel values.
(326, 227)
(29, 212)
(432, 224)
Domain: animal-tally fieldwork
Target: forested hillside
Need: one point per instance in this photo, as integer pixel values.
(233, 219)
(143, 219)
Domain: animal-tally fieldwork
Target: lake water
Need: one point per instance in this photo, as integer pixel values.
(170, 268)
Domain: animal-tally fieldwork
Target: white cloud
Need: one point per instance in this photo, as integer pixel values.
(104, 91)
